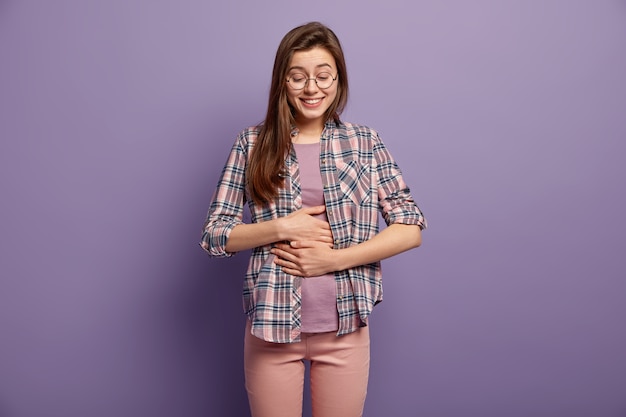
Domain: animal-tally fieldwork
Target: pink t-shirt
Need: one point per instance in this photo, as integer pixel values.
(319, 305)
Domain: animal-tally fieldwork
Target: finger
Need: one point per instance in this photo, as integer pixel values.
(314, 210)
(289, 267)
(303, 244)
(327, 233)
(284, 263)
(285, 254)
(292, 271)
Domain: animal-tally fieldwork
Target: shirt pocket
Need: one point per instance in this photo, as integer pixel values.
(354, 181)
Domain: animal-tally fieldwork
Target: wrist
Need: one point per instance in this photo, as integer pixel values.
(280, 230)
(340, 260)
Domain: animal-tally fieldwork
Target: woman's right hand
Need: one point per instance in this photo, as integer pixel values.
(301, 225)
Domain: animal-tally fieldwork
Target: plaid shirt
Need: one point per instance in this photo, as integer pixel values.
(360, 179)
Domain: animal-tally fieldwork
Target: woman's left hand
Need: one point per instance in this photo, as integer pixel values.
(305, 258)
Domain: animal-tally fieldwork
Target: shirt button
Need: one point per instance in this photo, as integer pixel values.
(323, 161)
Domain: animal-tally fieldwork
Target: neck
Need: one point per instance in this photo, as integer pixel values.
(308, 131)
(306, 137)
(310, 127)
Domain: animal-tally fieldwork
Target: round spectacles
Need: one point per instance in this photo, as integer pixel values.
(323, 80)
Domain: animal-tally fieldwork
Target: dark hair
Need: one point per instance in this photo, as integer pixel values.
(274, 141)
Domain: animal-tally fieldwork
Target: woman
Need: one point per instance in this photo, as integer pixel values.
(315, 186)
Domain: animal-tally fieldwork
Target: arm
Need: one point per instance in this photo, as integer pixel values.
(299, 225)
(395, 239)
(404, 219)
(224, 232)
(308, 259)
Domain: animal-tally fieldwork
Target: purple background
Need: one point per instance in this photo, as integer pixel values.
(507, 118)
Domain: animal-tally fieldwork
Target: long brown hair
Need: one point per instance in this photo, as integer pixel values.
(274, 141)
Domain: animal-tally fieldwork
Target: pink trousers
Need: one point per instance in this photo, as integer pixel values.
(339, 373)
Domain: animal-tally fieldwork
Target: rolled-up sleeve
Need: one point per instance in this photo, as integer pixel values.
(226, 209)
(396, 202)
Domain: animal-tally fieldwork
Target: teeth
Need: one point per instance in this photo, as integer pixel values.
(313, 101)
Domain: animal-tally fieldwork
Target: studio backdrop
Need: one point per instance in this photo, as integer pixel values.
(507, 119)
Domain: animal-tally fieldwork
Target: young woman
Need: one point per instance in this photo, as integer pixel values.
(315, 186)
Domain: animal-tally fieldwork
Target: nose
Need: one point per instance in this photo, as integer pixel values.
(310, 86)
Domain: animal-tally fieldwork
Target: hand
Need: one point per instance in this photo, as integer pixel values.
(304, 258)
(302, 226)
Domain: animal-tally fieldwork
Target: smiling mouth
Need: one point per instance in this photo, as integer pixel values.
(312, 102)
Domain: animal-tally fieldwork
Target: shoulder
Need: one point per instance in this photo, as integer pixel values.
(250, 133)
(353, 129)
(247, 137)
(357, 136)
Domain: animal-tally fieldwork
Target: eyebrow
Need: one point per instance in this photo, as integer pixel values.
(317, 66)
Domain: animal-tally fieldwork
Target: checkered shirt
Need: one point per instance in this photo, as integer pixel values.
(361, 180)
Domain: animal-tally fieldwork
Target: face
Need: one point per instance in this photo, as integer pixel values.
(311, 102)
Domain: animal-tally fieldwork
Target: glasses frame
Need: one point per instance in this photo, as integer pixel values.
(306, 81)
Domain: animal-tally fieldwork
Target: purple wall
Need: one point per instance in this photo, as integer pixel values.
(507, 117)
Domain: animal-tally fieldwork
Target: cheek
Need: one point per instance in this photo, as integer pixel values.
(334, 95)
(291, 99)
